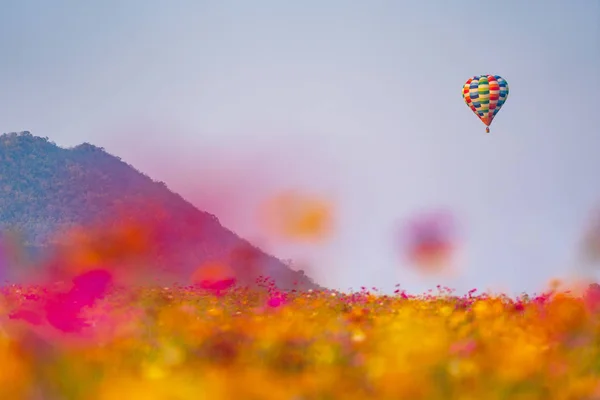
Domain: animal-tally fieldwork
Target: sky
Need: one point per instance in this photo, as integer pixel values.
(355, 102)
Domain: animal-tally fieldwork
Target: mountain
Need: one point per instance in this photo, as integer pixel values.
(46, 190)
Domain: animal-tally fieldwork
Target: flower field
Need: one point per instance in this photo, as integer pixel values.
(109, 342)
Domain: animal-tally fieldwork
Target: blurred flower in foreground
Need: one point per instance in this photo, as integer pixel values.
(177, 343)
(214, 276)
(297, 217)
(92, 245)
(63, 309)
(430, 241)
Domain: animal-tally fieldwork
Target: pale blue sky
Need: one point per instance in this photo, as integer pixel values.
(357, 100)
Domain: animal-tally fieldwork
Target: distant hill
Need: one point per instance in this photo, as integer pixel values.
(45, 189)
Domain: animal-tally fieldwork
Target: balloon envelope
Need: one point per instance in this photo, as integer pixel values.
(485, 95)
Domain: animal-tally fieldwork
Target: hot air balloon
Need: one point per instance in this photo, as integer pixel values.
(485, 95)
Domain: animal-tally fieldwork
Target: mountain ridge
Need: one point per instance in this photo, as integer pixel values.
(46, 190)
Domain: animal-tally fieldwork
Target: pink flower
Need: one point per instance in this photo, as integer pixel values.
(276, 300)
(463, 348)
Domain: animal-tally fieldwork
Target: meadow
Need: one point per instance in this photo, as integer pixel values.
(94, 340)
(95, 329)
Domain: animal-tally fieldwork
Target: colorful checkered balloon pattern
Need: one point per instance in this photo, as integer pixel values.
(485, 95)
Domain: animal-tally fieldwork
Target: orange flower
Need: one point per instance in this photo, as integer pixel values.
(298, 217)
